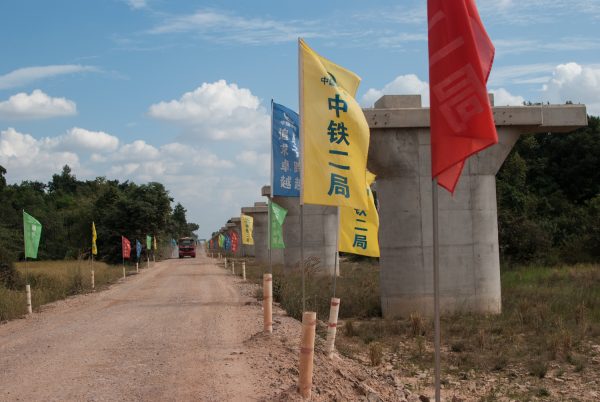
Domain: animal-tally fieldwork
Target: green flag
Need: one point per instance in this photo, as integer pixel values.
(32, 230)
(148, 242)
(277, 217)
(221, 240)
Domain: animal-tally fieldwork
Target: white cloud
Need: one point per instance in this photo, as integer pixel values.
(504, 98)
(218, 111)
(224, 27)
(576, 83)
(408, 84)
(36, 105)
(138, 150)
(27, 75)
(80, 139)
(260, 161)
(26, 158)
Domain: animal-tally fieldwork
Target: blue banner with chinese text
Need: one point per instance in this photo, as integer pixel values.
(285, 142)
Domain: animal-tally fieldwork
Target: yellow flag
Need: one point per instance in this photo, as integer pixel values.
(94, 237)
(247, 229)
(334, 134)
(359, 227)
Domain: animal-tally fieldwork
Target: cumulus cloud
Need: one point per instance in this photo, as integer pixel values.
(36, 105)
(408, 84)
(504, 98)
(27, 158)
(576, 83)
(78, 139)
(27, 75)
(218, 111)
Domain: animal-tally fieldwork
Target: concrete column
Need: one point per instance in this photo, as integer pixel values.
(259, 214)
(320, 230)
(469, 256)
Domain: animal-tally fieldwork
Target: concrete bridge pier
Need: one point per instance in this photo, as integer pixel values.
(400, 156)
(259, 232)
(320, 231)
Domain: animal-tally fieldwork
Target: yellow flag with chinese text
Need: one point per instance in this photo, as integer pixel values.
(334, 134)
(359, 227)
(247, 228)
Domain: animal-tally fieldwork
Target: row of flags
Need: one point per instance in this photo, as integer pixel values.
(32, 231)
(329, 167)
(126, 246)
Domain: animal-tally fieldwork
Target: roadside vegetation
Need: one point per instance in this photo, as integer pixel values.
(49, 281)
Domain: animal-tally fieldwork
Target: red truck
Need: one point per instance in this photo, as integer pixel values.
(187, 247)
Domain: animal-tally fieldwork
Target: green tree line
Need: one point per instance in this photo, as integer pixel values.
(66, 208)
(549, 198)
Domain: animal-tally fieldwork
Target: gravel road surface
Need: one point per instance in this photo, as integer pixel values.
(174, 332)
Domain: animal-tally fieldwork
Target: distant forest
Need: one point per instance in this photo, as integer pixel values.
(549, 198)
(66, 208)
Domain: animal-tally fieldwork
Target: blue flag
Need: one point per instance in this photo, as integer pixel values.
(138, 248)
(285, 142)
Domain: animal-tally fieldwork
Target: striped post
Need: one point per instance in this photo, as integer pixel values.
(268, 303)
(28, 291)
(332, 326)
(307, 351)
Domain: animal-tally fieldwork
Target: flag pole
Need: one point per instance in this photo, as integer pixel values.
(301, 136)
(336, 266)
(436, 288)
(271, 184)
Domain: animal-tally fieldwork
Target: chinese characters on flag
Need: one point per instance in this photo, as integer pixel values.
(247, 229)
(359, 227)
(285, 140)
(334, 134)
(460, 60)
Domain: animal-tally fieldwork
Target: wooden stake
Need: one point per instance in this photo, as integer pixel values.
(244, 270)
(225, 259)
(93, 280)
(137, 267)
(307, 351)
(28, 291)
(148, 261)
(332, 327)
(123, 271)
(233, 267)
(268, 303)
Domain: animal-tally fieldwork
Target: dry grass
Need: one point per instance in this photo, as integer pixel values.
(51, 281)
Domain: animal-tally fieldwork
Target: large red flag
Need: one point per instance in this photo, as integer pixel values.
(460, 60)
(125, 247)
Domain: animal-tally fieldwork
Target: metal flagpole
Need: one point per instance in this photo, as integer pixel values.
(302, 256)
(337, 252)
(271, 185)
(301, 137)
(436, 288)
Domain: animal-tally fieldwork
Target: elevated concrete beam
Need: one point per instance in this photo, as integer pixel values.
(469, 256)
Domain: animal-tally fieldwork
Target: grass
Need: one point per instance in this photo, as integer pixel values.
(549, 318)
(51, 281)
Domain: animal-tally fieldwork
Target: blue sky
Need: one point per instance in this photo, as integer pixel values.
(179, 91)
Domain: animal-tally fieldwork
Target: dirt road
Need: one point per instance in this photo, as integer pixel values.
(173, 332)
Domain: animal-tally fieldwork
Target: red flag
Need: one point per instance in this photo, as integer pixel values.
(125, 247)
(460, 60)
(234, 241)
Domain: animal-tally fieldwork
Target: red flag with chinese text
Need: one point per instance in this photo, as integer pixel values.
(234, 241)
(125, 247)
(460, 60)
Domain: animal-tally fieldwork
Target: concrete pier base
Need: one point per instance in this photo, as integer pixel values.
(320, 230)
(259, 216)
(400, 156)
